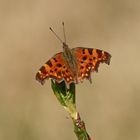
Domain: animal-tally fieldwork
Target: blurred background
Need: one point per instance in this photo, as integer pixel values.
(110, 106)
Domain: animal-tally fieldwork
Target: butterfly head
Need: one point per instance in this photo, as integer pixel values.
(65, 45)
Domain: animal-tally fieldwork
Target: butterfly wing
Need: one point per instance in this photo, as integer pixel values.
(88, 59)
(55, 68)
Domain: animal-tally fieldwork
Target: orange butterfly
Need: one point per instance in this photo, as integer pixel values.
(72, 65)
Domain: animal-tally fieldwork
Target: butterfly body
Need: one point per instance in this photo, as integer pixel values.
(72, 65)
(70, 61)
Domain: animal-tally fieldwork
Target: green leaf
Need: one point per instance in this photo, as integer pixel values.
(64, 95)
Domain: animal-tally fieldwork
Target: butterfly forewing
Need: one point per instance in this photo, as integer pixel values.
(56, 69)
(88, 60)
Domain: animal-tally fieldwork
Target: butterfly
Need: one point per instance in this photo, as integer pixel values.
(72, 65)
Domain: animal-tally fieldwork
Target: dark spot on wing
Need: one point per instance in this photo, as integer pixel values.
(43, 70)
(83, 51)
(81, 67)
(49, 63)
(99, 52)
(55, 69)
(84, 58)
(90, 51)
(59, 65)
(55, 59)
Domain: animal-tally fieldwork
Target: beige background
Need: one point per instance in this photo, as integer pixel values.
(110, 106)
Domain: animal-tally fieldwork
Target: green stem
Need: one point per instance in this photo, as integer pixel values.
(67, 98)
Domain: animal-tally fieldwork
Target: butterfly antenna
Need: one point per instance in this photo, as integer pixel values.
(56, 35)
(64, 31)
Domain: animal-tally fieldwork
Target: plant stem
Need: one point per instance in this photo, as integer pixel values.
(67, 98)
